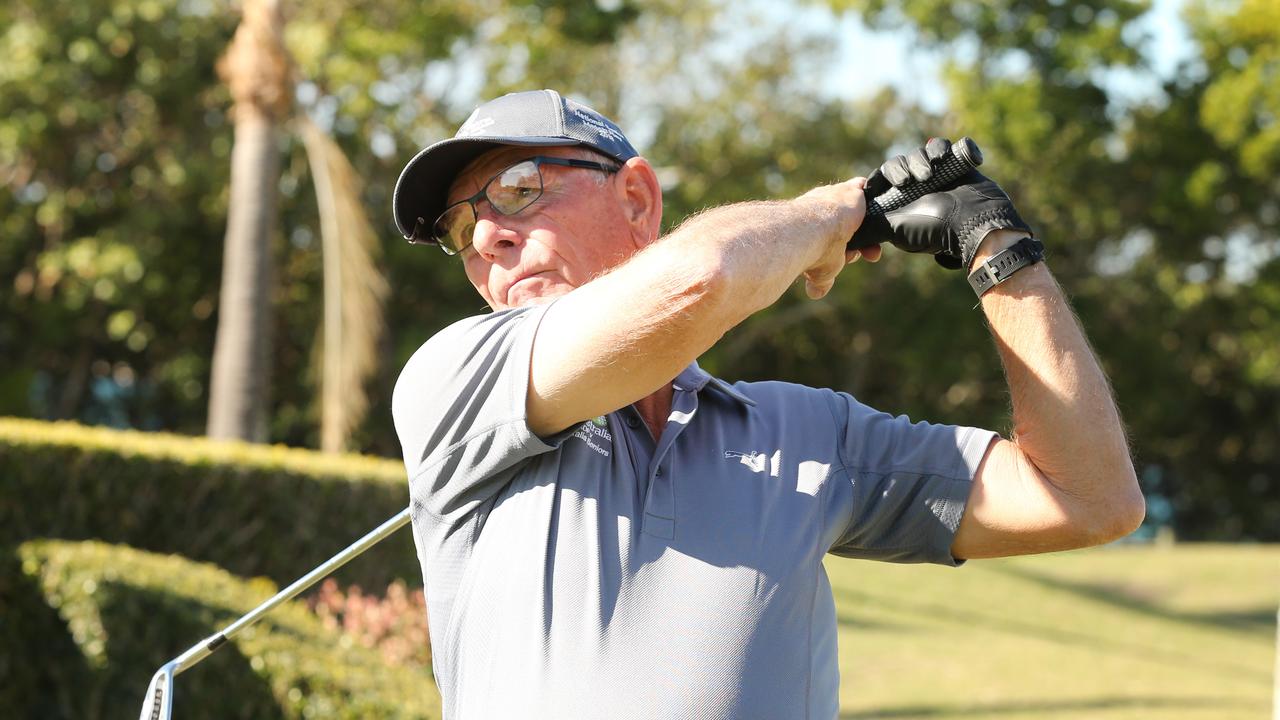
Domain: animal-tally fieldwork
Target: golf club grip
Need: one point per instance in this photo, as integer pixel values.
(962, 157)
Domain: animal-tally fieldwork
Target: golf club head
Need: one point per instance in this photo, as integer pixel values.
(158, 704)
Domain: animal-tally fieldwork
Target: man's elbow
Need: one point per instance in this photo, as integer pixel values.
(1118, 513)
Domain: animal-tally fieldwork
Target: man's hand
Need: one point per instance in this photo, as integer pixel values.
(948, 224)
(845, 204)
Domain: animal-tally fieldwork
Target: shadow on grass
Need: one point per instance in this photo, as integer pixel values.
(1021, 628)
(1260, 620)
(1051, 707)
(852, 621)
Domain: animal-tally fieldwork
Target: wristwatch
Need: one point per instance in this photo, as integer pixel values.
(999, 267)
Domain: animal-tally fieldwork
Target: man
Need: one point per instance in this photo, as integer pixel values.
(606, 531)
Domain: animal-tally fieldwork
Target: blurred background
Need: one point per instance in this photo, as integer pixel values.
(196, 239)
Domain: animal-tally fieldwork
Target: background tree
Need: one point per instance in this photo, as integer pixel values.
(1159, 208)
(1160, 216)
(256, 69)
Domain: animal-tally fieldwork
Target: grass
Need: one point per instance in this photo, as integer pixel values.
(1113, 633)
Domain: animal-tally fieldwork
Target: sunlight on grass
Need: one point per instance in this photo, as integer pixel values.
(1118, 632)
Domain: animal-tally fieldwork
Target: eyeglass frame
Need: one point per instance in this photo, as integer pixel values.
(538, 161)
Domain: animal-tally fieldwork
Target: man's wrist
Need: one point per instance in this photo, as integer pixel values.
(1002, 266)
(995, 242)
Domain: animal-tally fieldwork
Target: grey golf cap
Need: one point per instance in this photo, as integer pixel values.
(535, 118)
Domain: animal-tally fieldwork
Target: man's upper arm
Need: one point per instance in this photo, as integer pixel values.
(906, 484)
(621, 337)
(459, 410)
(1015, 509)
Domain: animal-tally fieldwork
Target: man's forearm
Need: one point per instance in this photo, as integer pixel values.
(759, 248)
(1065, 420)
(625, 334)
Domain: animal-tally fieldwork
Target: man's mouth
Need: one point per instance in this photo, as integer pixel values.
(524, 280)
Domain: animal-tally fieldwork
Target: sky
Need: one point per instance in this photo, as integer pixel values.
(914, 73)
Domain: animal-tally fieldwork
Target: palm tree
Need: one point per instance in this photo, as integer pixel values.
(256, 69)
(261, 77)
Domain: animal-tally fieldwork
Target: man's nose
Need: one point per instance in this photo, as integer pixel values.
(491, 236)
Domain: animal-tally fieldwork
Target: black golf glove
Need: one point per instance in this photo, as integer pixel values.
(948, 223)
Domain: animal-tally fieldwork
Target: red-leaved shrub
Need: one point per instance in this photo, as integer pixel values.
(395, 624)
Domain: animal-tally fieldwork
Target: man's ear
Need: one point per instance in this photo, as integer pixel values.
(641, 197)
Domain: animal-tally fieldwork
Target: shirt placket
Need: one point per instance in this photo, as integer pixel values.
(660, 503)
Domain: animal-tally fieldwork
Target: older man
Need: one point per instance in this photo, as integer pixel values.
(605, 530)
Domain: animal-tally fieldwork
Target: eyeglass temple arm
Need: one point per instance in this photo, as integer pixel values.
(413, 234)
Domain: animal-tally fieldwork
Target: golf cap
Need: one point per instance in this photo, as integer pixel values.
(534, 118)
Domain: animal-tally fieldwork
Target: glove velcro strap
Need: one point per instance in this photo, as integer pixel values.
(975, 228)
(999, 267)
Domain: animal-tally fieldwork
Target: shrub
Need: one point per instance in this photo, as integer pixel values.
(251, 509)
(396, 624)
(86, 624)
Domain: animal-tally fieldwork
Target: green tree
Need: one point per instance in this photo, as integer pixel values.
(112, 164)
(1161, 220)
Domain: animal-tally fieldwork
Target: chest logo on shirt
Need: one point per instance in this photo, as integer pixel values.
(594, 432)
(757, 461)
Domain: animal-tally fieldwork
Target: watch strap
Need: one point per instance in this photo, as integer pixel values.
(999, 267)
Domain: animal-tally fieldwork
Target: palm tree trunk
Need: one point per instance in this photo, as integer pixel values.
(257, 71)
(241, 371)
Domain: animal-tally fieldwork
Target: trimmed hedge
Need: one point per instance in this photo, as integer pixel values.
(250, 509)
(85, 624)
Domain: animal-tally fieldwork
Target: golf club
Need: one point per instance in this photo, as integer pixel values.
(158, 703)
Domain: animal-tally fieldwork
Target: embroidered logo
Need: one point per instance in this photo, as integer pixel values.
(594, 432)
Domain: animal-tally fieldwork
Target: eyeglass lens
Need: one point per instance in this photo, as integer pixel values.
(511, 191)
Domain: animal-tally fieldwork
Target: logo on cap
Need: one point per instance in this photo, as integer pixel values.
(474, 124)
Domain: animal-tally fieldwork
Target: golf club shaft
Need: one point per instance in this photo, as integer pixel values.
(158, 703)
(201, 650)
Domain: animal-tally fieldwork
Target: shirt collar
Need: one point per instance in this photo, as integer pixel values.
(694, 378)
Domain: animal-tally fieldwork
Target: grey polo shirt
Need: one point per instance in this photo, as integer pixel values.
(600, 574)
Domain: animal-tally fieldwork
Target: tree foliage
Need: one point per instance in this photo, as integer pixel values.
(1160, 215)
(1160, 210)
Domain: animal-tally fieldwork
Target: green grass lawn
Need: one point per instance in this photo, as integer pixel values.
(1116, 632)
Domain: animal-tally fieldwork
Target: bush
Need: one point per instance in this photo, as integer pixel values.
(251, 509)
(396, 624)
(86, 624)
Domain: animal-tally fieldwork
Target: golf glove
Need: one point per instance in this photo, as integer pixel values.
(948, 223)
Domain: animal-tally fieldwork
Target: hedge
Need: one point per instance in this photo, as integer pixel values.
(250, 509)
(85, 624)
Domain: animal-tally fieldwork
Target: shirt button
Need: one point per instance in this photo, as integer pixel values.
(633, 422)
(658, 473)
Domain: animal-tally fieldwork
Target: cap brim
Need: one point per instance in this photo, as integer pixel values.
(424, 183)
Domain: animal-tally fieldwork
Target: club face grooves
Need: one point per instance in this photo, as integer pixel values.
(158, 704)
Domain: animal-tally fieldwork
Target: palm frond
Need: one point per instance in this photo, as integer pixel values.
(354, 289)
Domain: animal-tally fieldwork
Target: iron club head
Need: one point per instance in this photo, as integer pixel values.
(158, 703)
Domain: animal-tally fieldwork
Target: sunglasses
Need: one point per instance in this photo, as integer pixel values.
(508, 192)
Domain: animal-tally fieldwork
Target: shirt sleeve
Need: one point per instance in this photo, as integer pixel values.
(459, 410)
(905, 484)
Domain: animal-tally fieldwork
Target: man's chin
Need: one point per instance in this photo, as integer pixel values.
(539, 300)
(531, 297)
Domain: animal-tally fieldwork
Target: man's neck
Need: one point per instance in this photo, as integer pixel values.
(655, 408)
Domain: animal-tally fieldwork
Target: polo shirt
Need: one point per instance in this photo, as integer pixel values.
(598, 573)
